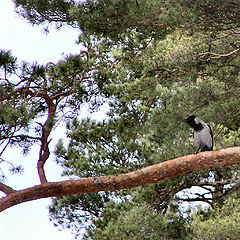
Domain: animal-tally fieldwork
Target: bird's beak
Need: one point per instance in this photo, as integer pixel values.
(184, 120)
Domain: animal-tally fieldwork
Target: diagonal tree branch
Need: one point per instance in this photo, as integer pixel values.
(162, 171)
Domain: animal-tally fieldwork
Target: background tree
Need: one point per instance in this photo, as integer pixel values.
(147, 65)
(225, 219)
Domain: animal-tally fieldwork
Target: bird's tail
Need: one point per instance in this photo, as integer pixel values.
(206, 148)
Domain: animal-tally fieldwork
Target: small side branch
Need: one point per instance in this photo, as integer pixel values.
(6, 189)
(210, 55)
(153, 25)
(213, 184)
(86, 65)
(61, 95)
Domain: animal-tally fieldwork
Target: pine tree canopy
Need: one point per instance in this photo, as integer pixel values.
(144, 66)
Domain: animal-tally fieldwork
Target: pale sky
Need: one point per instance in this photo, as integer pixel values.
(30, 221)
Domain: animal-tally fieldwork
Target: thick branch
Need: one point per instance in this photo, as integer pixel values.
(44, 151)
(162, 171)
(46, 128)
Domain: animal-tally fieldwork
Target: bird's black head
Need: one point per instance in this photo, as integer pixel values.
(191, 121)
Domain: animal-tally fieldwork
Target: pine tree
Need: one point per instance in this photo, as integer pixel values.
(146, 65)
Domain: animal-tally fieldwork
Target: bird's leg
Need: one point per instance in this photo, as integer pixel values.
(197, 150)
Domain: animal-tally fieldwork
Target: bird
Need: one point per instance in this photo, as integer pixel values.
(203, 136)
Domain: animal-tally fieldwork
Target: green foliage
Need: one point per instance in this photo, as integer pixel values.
(111, 17)
(153, 78)
(220, 223)
(36, 11)
(7, 62)
(138, 222)
(77, 211)
(100, 148)
(148, 65)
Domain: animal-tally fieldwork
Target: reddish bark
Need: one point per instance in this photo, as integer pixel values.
(162, 171)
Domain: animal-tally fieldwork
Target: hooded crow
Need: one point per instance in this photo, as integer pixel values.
(203, 137)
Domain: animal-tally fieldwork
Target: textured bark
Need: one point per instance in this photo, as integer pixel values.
(162, 171)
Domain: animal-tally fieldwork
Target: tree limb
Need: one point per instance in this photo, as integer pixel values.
(212, 55)
(6, 189)
(51, 102)
(44, 150)
(213, 184)
(162, 171)
(154, 25)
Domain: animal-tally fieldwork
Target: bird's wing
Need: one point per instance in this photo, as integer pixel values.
(209, 137)
(211, 133)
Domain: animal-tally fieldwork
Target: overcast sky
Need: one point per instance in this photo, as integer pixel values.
(30, 221)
